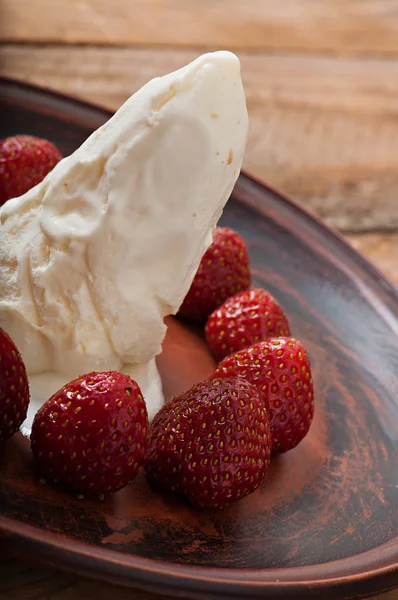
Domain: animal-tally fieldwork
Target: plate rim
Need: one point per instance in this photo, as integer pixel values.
(368, 566)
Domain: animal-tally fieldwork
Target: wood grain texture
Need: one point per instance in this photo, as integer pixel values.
(338, 27)
(323, 130)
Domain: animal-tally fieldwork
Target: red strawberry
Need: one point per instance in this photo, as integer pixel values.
(281, 371)
(223, 271)
(14, 388)
(243, 320)
(210, 444)
(24, 162)
(92, 433)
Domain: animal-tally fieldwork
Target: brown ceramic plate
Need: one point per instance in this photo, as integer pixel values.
(325, 523)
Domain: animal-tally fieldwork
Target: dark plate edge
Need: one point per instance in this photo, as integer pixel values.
(366, 569)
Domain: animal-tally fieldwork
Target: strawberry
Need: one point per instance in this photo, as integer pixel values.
(281, 371)
(210, 444)
(24, 162)
(223, 271)
(246, 318)
(92, 433)
(14, 388)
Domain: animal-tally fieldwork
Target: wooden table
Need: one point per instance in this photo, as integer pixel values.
(321, 80)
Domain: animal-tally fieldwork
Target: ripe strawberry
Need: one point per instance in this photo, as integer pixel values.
(14, 388)
(223, 271)
(24, 162)
(281, 371)
(243, 320)
(92, 433)
(210, 444)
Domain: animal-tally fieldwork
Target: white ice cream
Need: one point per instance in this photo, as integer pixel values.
(94, 257)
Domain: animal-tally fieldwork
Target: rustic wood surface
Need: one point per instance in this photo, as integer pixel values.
(322, 83)
(324, 130)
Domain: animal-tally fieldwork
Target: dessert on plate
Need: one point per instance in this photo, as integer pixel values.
(107, 243)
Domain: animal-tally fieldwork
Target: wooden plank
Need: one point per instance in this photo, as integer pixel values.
(22, 581)
(323, 130)
(338, 27)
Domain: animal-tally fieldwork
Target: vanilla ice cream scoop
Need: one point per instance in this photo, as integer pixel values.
(94, 257)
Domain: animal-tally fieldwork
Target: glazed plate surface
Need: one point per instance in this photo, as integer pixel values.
(325, 522)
